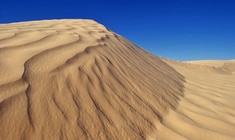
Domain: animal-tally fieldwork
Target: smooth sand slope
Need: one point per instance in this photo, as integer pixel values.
(207, 110)
(75, 79)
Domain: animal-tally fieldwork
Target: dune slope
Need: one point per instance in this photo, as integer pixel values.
(207, 110)
(75, 79)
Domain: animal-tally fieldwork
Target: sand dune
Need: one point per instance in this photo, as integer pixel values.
(76, 79)
(207, 109)
(224, 65)
(213, 63)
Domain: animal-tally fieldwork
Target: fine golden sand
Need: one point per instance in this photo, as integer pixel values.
(207, 110)
(76, 79)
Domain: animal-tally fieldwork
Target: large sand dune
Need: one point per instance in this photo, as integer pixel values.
(76, 79)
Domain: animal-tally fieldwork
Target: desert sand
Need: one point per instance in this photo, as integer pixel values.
(76, 79)
(207, 109)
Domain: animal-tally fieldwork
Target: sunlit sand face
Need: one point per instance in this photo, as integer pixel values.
(75, 79)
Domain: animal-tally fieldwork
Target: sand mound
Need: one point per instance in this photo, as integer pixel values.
(207, 111)
(212, 63)
(222, 65)
(75, 79)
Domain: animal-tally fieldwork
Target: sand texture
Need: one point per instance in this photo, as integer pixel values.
(207, 110)
(227, 66)
(76, 79)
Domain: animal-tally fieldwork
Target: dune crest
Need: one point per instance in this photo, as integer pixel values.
(75, 79)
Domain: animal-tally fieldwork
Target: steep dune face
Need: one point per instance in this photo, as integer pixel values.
(75, 79)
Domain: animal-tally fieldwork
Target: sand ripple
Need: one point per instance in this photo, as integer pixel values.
(75, 79)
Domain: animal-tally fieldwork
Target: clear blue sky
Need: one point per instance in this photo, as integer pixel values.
(176, 29)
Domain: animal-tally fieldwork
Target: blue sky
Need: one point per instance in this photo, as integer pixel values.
(176, 29)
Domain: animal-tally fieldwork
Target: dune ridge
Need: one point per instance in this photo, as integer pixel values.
(76, 79)
(222, 65)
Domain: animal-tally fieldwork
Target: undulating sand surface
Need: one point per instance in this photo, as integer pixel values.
(224, 65)
(76, 79)
(207, 110)
(213, 63)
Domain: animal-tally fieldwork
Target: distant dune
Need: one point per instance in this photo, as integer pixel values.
(224, 65)
(76, 79)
